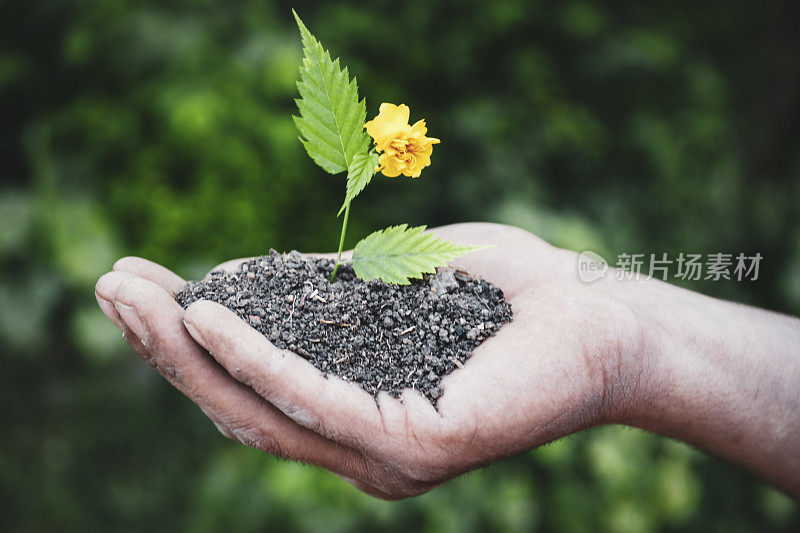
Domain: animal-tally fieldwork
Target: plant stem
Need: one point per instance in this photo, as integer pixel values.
(341, 243)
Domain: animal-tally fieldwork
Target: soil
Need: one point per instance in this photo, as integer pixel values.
(380, 336)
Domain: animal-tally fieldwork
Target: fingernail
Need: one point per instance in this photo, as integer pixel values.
(131, 319)
(109, 310)
(194, 333)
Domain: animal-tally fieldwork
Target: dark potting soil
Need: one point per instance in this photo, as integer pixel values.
(383, 337)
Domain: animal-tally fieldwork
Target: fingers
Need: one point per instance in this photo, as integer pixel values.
(150, 271)
(330, 406)
(107, 306)
(153, 316)
(105, 291)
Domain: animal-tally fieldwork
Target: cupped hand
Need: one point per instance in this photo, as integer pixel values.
(555, 369)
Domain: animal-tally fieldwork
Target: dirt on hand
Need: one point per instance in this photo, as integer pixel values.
(382, 337)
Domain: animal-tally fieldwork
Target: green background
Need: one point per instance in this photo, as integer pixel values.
(162, 128)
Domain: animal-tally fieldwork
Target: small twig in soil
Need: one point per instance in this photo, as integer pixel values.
(481, 300)
(291, 313)
(333, 322)
(306, 294)
(300, 351)
(407, 330)
(458, 363)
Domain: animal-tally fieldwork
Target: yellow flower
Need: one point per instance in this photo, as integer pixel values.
(404, 149)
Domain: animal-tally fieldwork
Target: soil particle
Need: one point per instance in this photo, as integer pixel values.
(382, 337)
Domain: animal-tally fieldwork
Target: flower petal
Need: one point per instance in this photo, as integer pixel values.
(398, 113)
(391, 122)
(389, 166)
(419, 128)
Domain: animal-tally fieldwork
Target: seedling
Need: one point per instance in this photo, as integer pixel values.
(332, 126)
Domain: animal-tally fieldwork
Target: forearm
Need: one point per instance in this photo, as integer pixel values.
(722, 376)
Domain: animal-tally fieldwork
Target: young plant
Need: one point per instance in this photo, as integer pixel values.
(332, 130)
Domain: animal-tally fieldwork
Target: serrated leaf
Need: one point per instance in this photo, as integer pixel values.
(359, 174)
(331, 121)
(399, 253)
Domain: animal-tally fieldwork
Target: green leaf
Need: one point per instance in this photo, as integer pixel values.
(359, 174)
(398, 253)
(331, 121)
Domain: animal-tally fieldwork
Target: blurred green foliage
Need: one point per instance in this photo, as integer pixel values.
(162, 129)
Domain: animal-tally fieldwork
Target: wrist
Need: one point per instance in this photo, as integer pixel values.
(630, 373)
(665, 326)
(714, 374)
(687, 346)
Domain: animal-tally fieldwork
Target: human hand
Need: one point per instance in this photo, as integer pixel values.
(543, 376)
(714, 374)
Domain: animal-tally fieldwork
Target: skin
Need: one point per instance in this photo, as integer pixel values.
(718, 375)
